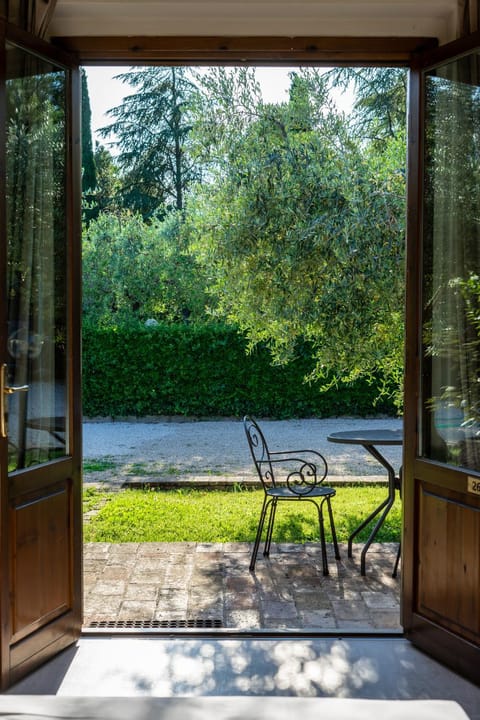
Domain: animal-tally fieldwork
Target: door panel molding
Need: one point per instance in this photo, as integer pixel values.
(28, 654)
(41, 544)
(432, 471)
(26, 481)
(448, 582)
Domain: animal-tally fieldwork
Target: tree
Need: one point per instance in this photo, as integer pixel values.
(225, 104)
(151, 129)
(135, 270)
(105, 196)
(89, 179)
(380, 100)
(303, 228)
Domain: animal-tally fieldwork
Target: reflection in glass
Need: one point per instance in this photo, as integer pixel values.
(36, 231)
(451, 293)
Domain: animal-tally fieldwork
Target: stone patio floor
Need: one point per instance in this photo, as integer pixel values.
(162, 585)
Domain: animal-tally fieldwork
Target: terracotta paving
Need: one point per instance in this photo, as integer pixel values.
(205, 585)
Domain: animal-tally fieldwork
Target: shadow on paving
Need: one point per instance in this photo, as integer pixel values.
(203, 585)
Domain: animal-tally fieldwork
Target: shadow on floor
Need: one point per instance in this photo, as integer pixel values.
(349, 667)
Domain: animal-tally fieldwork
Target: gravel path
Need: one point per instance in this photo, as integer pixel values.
(219, 446)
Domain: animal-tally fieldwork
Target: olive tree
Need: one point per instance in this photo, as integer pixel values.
(302, 229)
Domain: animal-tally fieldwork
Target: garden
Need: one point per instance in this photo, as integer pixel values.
(241, 256)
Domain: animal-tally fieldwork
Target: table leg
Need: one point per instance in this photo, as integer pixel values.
(397, 560)
(385, 506)
(364, 524)
(377, 527)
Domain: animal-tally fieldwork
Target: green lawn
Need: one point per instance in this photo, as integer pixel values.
(224, 516)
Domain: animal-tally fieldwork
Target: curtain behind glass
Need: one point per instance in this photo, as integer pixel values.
(468, 17)
(451, 320)
(36, 258)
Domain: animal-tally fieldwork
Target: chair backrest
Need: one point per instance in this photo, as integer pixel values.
(259, 450)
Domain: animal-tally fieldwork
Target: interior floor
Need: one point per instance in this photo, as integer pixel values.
(349, 667)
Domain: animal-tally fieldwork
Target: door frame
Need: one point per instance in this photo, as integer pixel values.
(417, 56)
(313, 51)
(47, 640)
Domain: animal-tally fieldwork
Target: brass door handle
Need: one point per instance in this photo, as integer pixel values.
(5, 390)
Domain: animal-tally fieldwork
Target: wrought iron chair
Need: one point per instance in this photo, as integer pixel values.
(300, 477)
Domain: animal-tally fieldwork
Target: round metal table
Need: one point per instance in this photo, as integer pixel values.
(370, 440)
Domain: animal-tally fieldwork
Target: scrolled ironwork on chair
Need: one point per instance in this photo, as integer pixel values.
(300, 478)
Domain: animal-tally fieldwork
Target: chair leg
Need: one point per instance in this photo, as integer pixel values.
(271, 520)
(334, 532)
(322, 539)
(259, 533)
(395, 567)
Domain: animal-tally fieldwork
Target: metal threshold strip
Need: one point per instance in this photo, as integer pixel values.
(214, 629)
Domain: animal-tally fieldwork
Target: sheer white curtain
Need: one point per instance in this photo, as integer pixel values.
(34, 141)
(452, 263)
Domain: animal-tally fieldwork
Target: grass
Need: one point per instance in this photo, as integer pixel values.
(225, 516)
(139, 469)
(100, 465)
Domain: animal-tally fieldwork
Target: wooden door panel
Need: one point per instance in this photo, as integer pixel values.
(27, 654)
(448, 561)
(40, 436)
(441, 463)
(41, 552)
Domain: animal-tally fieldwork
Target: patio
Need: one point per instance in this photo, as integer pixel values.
(195, 585)
(198, 585)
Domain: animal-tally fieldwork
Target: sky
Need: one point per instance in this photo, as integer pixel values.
(106, 92)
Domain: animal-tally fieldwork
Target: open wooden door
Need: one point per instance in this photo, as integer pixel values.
(441, 546)
(40, 413)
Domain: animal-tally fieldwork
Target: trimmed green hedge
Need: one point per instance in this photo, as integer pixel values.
(204, 371)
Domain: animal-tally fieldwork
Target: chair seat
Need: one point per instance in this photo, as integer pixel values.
(281, 491)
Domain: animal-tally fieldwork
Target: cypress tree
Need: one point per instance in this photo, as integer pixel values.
(89, 177)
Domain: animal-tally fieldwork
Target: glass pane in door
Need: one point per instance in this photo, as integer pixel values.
(451, 252)
(36, 236)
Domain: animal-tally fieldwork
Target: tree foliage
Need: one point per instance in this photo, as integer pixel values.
(35, 200)
(304, 230)
(380, 100)
(135, 270)
(202, 370)
(104, 197)
(296, 230)
(89, 179)
(151, 128)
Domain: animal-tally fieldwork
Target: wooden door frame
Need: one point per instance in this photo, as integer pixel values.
(253, 50)
(414, 54)
(456, 652)
(266, 51)
(60, 633)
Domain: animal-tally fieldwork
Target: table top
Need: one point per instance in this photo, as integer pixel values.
(47, 423)
(368, 437)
